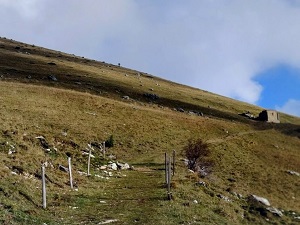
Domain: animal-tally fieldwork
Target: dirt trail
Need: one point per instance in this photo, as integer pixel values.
(230, 137)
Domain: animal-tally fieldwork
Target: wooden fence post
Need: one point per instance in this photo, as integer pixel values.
(166, 169)
(104, 149)
(70, 172)
(44, 186)
(169, 180)
(89, 162)
(174, 154)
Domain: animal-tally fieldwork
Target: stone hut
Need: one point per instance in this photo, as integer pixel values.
(271, 116)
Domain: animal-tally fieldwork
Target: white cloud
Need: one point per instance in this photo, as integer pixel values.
(26, 8)
(218, 46)
(292, 107)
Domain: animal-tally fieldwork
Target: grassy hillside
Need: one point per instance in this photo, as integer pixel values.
(72, 101)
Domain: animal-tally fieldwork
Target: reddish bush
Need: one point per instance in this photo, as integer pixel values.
(197, 154)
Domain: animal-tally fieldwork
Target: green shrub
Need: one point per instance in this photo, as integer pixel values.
(109, 143)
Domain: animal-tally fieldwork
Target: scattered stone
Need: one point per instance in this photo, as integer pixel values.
(126, 97)
(293, 173)
(261, 200)
(151, 96)
(201, 183)
(112, 166)
(87, 153)
(195, 201)
(62, 168)
(108, 221)
(238, 195)
(151, 89)
(225, 198)
(275, 211)
(91, 113)
(196, 113)
(123, 166)
(44, 143)
(111, 157)
(82, 173)
(52, 77)
(180, 109)
(247, 114)
(28, 77)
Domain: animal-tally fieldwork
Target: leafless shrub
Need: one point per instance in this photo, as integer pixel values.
(198, 156)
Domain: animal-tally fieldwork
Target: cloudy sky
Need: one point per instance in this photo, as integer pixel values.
(248, 50)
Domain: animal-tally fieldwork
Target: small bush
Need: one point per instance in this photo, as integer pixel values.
(197, 154)
(109, 143)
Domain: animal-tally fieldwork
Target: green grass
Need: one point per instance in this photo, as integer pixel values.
(250, 157)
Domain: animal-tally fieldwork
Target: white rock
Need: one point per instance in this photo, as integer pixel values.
(261, 200)
(195, 201)
(108, 221)
(123, 166)
(113, 166)
(103, 167)
(81, 173)
(293, 173)
(275, 211)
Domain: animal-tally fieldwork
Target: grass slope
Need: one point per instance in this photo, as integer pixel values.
(85, 104)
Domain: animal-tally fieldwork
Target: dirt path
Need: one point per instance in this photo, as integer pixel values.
(230, 137)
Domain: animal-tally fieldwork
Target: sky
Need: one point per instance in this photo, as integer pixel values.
(247, 50)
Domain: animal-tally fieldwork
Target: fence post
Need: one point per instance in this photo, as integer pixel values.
(166, 169)
(104, 149)
(89, 162)
(174, 154)
(169, 180)
(70, 172)
(44, 186)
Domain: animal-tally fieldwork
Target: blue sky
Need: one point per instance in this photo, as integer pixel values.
(247, 50)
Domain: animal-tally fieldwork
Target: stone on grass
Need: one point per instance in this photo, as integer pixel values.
(62, 168)
(113, 166)
(275, 211)
(123, 166)
(293, 173)
(261, 200)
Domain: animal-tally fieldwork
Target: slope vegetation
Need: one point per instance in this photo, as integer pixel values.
(53, 103)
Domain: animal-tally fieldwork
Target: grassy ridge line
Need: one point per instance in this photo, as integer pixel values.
(255, 155)
(110, 80)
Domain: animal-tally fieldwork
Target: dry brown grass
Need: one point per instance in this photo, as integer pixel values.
(250, 157)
